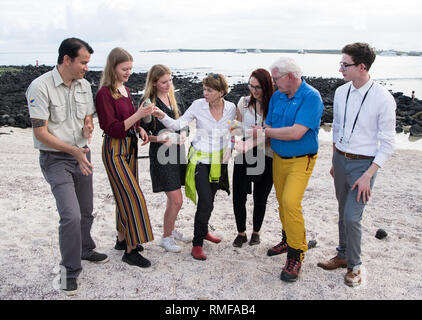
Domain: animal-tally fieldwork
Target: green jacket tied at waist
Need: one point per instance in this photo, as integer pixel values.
(218, 173)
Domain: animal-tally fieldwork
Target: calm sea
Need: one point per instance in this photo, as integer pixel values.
(397, 73)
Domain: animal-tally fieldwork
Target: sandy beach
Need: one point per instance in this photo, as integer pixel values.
(29, 252)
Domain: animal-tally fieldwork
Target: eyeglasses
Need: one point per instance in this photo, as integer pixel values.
(251, 87)
(344, 65)
(278, 78)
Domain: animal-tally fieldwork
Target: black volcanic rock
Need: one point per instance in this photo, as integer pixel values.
(14, 110)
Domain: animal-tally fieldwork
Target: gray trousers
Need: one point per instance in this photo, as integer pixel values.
(74, 200)
(346, 172)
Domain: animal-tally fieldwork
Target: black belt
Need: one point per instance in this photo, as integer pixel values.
(310, 155)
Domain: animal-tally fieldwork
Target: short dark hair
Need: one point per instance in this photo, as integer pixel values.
(360, 53)
(70, 47)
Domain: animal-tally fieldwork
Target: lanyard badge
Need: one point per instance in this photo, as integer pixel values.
(343, 139)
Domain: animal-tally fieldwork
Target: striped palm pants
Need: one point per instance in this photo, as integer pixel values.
(132, 217)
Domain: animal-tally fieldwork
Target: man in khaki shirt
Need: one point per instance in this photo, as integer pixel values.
(61, 108)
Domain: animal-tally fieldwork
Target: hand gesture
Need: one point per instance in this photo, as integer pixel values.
(143, 112)
(364, 188)
(332, 171)
(87, 129)
(168, 138)
(84, 164)
(157, 112)
(144, 136)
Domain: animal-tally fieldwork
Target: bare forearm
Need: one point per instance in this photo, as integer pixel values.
(44, 136)
(285, 133)
(129, 122)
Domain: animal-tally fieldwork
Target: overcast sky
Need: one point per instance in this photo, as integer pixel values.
(28, 25)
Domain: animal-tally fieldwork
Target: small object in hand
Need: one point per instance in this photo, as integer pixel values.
(147, 119)
(312, 244)
(381, 234)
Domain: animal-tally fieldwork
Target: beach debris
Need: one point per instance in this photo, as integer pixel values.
(381, 234)
(312, 244)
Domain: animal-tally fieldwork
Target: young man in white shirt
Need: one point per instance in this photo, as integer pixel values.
(363, 139)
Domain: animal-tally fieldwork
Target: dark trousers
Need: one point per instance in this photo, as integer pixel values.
(74, 199)
(261, 190)
(206, 193)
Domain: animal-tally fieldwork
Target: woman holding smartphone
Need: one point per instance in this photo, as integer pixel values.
(119, 119)
(167, 153)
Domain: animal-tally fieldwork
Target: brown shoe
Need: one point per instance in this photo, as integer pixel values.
(333, 263)
(352, 278)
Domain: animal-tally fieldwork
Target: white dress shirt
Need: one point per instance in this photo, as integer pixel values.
(211, 135)
(374, 131)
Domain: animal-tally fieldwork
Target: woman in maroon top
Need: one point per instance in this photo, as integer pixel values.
(119, 119)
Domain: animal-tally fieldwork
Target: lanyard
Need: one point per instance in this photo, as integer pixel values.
(345, 109)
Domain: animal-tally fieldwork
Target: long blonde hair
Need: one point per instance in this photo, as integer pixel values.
(154, 74)
(109, 77)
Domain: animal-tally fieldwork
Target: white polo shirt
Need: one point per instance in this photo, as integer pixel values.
(211, 135)
(374, 130)
(65, 108)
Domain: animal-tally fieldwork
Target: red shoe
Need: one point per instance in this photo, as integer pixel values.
(212, 238)
(198, 253)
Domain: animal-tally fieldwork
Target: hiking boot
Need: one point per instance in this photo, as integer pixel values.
(134, 258)
(169, 244)
(122, 245)
(290, 272)
(179, 236)
(333, 263)
(279, 248)
(240, 240)
(254, 239)
(353, 277)
(70, 287)
(96, 257)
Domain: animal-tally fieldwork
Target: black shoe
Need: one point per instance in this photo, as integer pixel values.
(254, 239)
(135, 259)
(69, 288)
(239, 241)
(121, 245)
(96, 257)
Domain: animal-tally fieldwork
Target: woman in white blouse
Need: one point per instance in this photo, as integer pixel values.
(208, 154)
(256, 165)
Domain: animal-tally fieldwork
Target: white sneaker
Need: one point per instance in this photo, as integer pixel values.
(169, 244)
(179, 236)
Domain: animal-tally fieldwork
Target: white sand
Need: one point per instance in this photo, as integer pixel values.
(29, 252)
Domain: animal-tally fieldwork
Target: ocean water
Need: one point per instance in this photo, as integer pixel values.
(397, 73)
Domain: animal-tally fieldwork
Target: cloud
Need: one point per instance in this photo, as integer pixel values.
(324, 24)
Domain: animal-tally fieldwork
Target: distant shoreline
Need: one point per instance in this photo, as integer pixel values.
(299, 51)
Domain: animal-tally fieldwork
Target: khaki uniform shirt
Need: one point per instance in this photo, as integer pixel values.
(65, 108)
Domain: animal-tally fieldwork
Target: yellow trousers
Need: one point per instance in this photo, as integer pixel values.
(291, 178)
